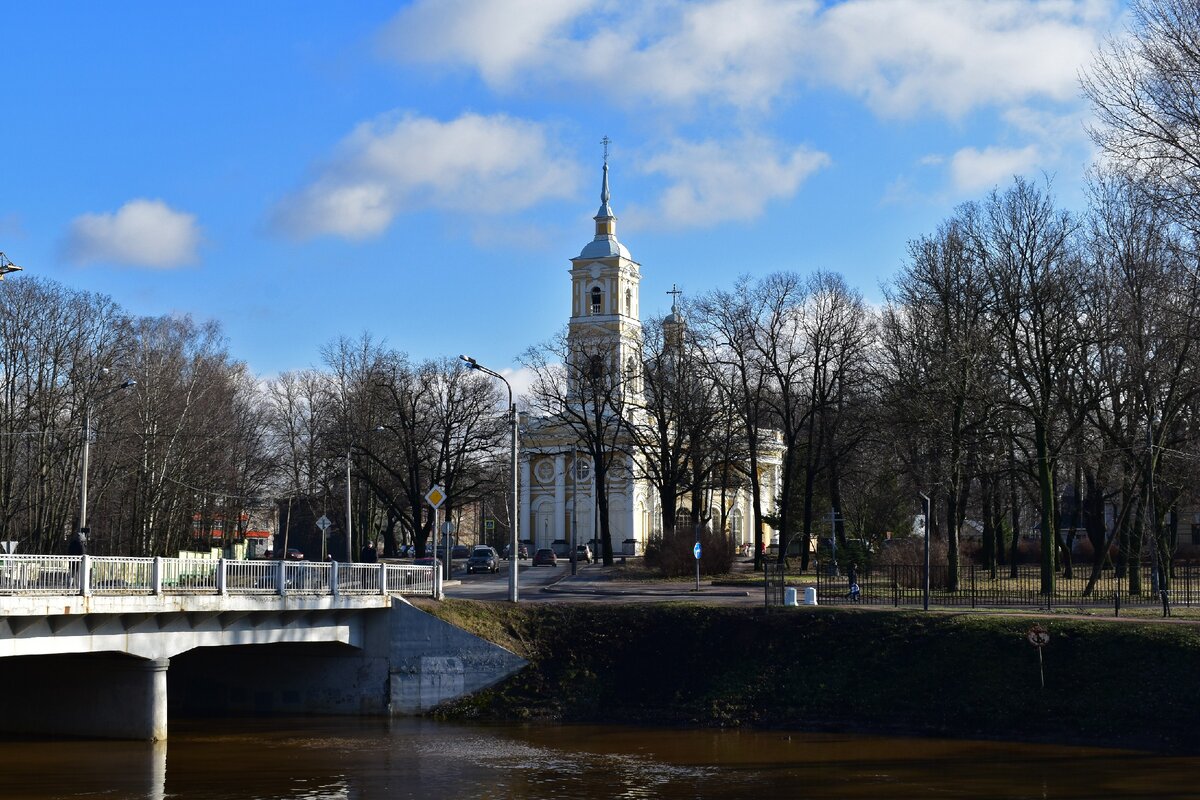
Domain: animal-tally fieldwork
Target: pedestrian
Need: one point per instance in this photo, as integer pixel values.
(852, 579)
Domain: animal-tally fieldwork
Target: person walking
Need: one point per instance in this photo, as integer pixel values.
(852, 580)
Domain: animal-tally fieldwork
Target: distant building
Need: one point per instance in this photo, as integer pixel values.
(557, 480)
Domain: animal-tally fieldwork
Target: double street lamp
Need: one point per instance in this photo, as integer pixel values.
(81, 536)
(514, 544)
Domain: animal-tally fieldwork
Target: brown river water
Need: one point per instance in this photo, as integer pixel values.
(353, 758)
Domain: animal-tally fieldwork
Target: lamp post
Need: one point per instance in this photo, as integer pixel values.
(81, 535)
(349, 510)
(925, 497)
(514, 544)
(7, 266)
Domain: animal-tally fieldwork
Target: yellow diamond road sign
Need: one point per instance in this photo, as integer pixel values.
(436, 496)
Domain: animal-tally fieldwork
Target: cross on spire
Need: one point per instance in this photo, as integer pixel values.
(675, 292)
(606, 142)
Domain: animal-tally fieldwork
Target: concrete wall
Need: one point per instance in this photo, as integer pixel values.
(396, 660)
(106, 695)
(432, 661)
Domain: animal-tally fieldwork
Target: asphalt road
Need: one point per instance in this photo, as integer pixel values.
(591, 585)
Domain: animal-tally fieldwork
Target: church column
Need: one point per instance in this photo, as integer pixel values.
(560, 496)
(631, 520)
(523, 531)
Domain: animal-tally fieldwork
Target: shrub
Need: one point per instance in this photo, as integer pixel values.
(671, 553)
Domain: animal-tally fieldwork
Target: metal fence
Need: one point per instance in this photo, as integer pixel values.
(96, 575)
(904, 585)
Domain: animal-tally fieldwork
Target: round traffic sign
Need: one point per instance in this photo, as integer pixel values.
(696, 551)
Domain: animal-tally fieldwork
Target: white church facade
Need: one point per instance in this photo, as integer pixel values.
(557, 482)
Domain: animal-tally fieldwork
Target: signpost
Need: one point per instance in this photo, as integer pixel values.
(435, 497)
(324, 524)
(1039, 637)
(8, 547)
(696, 553)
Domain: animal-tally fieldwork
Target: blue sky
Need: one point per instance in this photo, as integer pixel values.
(424, 171)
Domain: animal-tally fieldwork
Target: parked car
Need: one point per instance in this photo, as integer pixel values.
(294, 554)
(583, 553)
(427, 561)
(460, 551)
(522, 551)
(483, 559)
(545, 557)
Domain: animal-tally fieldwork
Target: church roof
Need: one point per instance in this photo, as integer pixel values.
(605, 245)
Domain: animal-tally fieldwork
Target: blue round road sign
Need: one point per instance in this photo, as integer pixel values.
(696, 551)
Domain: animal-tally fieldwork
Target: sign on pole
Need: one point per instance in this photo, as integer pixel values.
(489, 524)
(436, 496)
(696, 551)
(8, 547)
(323, 523)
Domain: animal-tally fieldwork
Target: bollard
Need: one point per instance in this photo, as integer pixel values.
(810, 595)
(789, 596)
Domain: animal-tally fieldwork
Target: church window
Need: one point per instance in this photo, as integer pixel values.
(596, 367)
(597, 299)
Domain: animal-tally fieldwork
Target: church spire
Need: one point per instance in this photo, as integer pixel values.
(605, 211)
(605, 244)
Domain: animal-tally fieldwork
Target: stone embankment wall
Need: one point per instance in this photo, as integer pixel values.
(1113, 683)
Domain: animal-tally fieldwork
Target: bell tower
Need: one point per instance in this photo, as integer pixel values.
(604, 330)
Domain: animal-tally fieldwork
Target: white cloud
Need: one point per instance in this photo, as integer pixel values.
(497, 38)
(899, 56)
(521, 379)
(711, 182)
(144, 233)
(478, 164)
(972, 169)
(903, 56)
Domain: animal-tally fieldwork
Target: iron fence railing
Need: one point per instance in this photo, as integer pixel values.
(96, 575)
(978, 587)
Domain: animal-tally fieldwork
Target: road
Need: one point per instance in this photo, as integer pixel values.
(592, 584)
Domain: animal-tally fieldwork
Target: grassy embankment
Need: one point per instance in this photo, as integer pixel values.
(1111, 683)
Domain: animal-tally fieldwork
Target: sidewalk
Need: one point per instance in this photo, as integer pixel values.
(594, 580)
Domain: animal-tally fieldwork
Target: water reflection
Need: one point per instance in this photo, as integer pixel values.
(319, 759)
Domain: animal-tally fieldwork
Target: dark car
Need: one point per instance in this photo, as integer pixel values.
(545, 557)
(483, 559)
(522, 551)
(460, 551)
(427, 561)
(294, 554)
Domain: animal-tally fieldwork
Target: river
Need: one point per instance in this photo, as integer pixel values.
(315, 759)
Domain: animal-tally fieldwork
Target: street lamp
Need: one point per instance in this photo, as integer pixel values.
(81, 536)
(7, 266)
(514, 544)
(928, 525)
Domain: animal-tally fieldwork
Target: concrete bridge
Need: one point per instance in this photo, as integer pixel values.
(87, 644)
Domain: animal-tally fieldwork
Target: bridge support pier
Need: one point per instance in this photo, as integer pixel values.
(106, 696)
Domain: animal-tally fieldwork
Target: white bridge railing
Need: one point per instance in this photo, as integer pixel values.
(98, 575)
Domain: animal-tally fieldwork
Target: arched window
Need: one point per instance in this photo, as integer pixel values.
(597, 299)
(596, 367)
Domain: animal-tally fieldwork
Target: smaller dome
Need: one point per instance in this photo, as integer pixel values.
(675, 318)
(604, 247)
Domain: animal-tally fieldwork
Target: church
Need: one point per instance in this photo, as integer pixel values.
(557, 480)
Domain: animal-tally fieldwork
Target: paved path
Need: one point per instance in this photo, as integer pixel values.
(593, 583)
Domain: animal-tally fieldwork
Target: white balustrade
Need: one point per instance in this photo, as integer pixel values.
(104, 575)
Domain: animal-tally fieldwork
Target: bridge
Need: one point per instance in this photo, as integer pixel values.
(86, 643)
